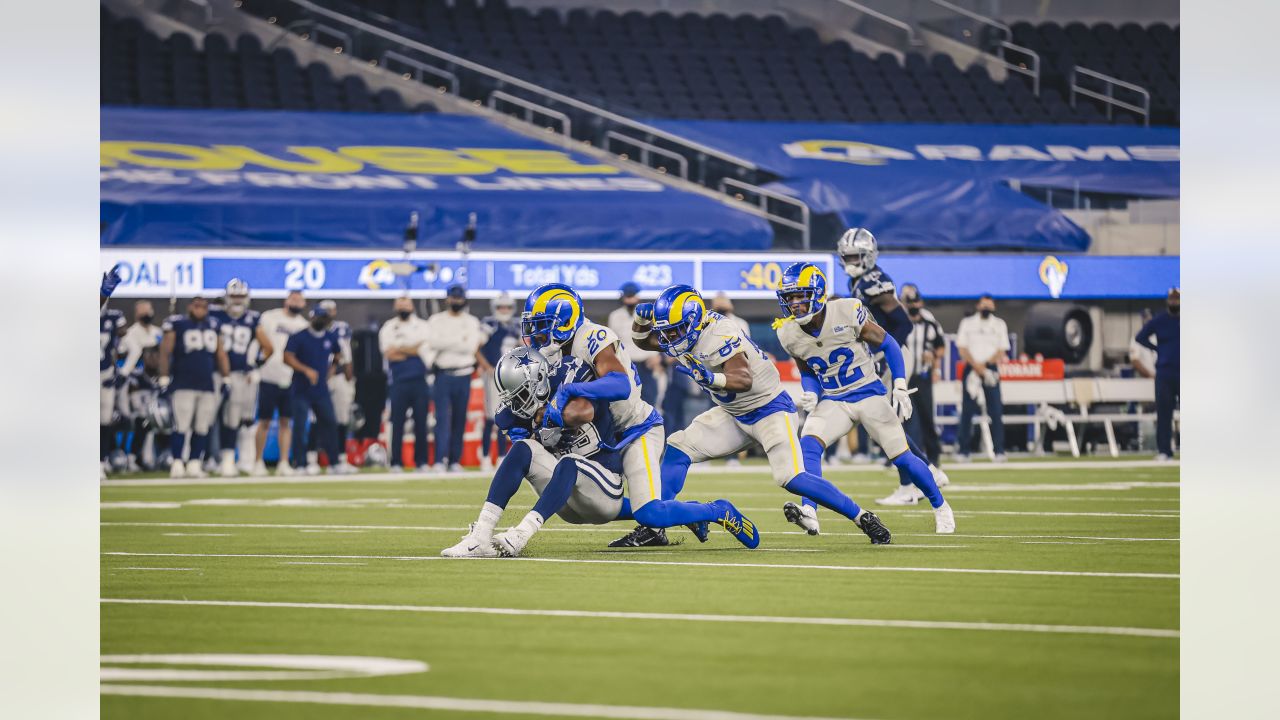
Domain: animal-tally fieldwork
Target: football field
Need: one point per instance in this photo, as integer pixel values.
(1056, 598)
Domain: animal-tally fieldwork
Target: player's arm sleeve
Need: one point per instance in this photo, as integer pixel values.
(893, 356)
(808, 381)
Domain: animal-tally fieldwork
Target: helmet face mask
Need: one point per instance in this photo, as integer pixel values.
(858, 251)
(679, 315)
(523, 380)
(236, 297)
(803, 289)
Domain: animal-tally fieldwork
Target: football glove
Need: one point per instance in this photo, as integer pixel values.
(518, 433)
(644, 314)
(901, 399)
(694, 368)
(163, 383)
(808, 401)
(110, 281)
(552, 417)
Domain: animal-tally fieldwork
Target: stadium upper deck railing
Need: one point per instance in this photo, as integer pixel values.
(1141, 106)
(366, 39)
(992, 37)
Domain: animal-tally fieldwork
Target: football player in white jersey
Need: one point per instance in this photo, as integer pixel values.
(833, 344)
(553, 323)
(342, 386)
(273, 390)
(751, 408)
(247, 344)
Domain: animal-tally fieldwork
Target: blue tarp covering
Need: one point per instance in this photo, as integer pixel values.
(179, 178)
(951, 186)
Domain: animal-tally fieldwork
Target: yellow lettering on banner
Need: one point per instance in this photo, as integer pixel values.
(546, 162)
(164, 155)
(417, 160)
(319, 160)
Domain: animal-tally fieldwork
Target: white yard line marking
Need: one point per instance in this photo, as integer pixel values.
(678, 563)
(689, 617)
(139, 505)
(1056, 542)
(317, 562)
(157, 568)
(197, 534)
(332, 530)
(433, 702)
(598, 529)
(744, 469)
(282, 667)
(1164, 514)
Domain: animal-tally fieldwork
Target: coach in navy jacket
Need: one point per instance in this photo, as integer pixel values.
(1166, 330)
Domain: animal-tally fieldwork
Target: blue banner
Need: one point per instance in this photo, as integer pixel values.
(934, 187)
(152, 272)
(180, 178)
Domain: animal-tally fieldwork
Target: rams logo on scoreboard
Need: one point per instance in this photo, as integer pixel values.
(1053, 273)
(377, 275)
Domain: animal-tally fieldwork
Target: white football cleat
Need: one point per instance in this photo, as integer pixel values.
(472, 546)
(485, 463)
(903, 495)
(283, 468)
(313, 469)
(438, 468)
(259, 469)
(511, 543)
(456, 467)
(803, 515)
(177, 469)
(939, 476)
(944, 521)
(228, 467)
(195, 469)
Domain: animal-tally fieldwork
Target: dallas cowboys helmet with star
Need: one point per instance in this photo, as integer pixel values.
(858, 251)
(523, 380)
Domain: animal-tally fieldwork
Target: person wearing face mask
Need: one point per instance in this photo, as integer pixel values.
(924, 349)
(278, 325)
(403, 343)
(648, 363)
(455, 337)
(1163, 334)
(310, 353)
(502, 331)
(983, 340)
(144, 334)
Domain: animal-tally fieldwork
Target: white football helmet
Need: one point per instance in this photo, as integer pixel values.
(503, 307)
(858, 251)
(236, 297)
(523, 379)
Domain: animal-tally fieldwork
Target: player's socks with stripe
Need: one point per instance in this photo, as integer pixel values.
(917, 471)
(811, 452)
(510, 473)
(675, 468)
(810, 486)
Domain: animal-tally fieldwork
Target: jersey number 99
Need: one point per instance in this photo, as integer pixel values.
(195, 340)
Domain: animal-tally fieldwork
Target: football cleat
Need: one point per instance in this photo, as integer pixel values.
(738, 524)
(511, 543)
(259, 469)
(177, 469)
(284, 468)
(195, 469)
(939, 476)
(643, 537)
(228, 467)
(943, 519)
(903, 495)
(803, 515)
(700, 530)
(472, 546)
(874, 529)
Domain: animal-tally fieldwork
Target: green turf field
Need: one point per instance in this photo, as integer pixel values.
(1057, 598)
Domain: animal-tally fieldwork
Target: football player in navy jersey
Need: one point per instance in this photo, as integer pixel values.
(111, 327)
(342, 387)
(190, 353)
(859, 253)
(309, 353)
(247, 345)
(502, 330)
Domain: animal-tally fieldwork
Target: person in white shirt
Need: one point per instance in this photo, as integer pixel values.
(273, 390)
(403, 343)
(983, 340)
(648, 363)
(455, 337)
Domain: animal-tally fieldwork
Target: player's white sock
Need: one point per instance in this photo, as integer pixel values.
(532, 522)
(490, 514)
(247, 444)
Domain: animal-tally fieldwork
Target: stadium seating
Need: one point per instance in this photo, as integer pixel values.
(141, 69)
(711, 67)
(1143, 56)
